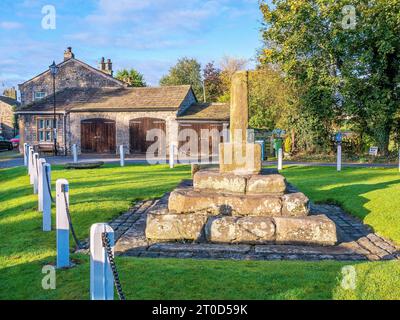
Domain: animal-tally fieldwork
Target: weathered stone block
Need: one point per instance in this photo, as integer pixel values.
(295, 205)
(240, 230)
(188, 200)
(306, 230)
(272, 183)
(166, 227)
(213, 180)
(240, 158)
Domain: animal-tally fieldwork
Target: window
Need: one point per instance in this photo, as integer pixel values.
(45, 130)
(39, 95)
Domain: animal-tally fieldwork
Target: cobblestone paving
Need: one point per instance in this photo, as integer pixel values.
(356, 242)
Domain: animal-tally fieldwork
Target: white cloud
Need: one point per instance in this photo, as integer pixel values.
(10, 25)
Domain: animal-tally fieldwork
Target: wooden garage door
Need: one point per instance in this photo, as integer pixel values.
(197, 127)
(98, 135)
(138, 129)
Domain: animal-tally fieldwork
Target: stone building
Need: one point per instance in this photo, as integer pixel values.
(7, 121)
(98, 112)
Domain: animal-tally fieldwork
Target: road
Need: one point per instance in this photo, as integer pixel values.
(14, 162)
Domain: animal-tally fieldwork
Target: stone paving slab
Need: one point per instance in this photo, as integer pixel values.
(357, 242)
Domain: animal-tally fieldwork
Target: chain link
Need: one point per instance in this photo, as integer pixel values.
(117, 282)
(48, 184)
(71, 227)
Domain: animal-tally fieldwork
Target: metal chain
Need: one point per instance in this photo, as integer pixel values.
(48, 185)
(71, 227)
(117, 282)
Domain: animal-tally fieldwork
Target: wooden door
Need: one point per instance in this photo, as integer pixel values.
(98, 136)
(138, 129)
(213, 135)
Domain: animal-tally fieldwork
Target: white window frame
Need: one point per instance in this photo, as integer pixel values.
(38, 95)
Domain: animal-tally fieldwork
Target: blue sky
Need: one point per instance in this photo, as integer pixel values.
(149, 35)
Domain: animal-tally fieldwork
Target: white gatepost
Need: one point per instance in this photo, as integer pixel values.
(280, 159)
(339, 158)
(46, 183)
(62, 225)
(26, 154)
(171, 155)
(41, 162)
(101, 277)
(35, 172)
(75, 153)
(121, 155)
(30, 165)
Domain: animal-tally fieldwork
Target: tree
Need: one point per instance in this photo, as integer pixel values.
(343, 73)
(185, 72)
(212, 82)
(229, 65)
(132, 77)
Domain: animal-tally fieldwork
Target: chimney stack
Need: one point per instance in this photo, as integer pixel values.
(68, 54)
(106, 66)
(10, 93)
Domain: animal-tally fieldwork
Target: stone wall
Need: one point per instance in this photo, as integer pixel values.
(122, 125)
(72, 74)
(28, 128)
(6, 120)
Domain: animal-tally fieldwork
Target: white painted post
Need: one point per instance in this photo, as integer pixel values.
(339, 158)
(122, 155)
(41, 162)
(171, 155)
(35, 172)
(280, 159)
(30, 165)
(46, 170)
(62, 224)
(75, 153)
(26, 154)
(101, 277)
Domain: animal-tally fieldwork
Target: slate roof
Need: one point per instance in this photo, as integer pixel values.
(113, 99)
(206, 111)
(9, 101)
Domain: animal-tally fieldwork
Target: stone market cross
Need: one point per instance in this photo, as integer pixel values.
(238, 156)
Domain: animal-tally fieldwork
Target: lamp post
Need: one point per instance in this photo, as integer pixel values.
(54, 70)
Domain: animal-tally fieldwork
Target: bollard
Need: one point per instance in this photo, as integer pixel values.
(261, 143)
(101, 277)
(46, 183)
(171, 155)
(41, 162)
(280, 159)
(62, 224)
(30, 165)
(35, 168)
(26, 154)
(75, 153)
(339, 157)
(122, 155)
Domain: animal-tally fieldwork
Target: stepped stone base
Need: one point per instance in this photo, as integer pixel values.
(249, 230)
(189, 200)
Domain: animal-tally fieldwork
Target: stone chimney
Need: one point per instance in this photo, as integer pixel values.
(10, 93)
(68, 54)
(106, 66)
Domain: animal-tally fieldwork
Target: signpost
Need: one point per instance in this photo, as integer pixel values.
(373, 151)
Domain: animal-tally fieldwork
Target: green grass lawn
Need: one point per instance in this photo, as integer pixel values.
(98, 195)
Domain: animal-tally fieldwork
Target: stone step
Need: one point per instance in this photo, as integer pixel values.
(189, 200)
(249, 184)
(249, 230)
